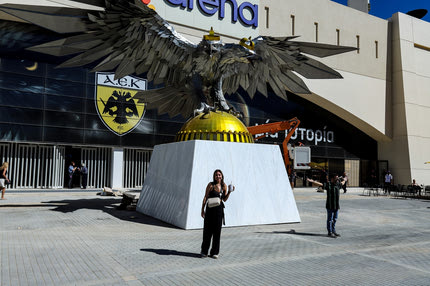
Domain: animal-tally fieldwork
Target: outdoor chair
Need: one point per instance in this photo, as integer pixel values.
(366, 190)
(394, 190)
(427, 190)
(400, 190)
(410, 192)
(376, 189)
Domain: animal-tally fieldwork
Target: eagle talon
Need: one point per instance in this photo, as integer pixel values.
(204, 108)
(233, 111)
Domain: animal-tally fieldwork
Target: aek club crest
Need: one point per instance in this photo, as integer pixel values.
(115, 102)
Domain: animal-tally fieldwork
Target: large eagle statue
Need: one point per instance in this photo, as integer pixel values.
(130, 38)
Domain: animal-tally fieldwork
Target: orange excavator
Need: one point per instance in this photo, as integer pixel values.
(273, 128)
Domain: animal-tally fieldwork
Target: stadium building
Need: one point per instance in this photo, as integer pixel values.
(370, 121)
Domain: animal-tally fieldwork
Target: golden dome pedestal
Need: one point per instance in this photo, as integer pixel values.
(215, 126)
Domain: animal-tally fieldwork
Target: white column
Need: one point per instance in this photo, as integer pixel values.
(117, 168)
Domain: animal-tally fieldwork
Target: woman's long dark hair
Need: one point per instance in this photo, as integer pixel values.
(222, 178)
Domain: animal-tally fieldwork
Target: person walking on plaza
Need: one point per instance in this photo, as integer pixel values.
(84, 173)
(345, 178)
(332, 202)
(213, 213)
(388, 180)
(293, 179)
(70, 172)
(3, 178)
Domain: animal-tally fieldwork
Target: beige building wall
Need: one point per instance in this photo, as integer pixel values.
(410, 146)
(360, 98)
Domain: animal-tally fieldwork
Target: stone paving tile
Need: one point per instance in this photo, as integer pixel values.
(81, 239)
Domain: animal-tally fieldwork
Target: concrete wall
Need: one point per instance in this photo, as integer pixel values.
(409, 148)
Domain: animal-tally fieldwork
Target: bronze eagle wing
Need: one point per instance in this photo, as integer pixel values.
(275, 62)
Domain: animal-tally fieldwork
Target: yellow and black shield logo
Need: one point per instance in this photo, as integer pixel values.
(115, 104)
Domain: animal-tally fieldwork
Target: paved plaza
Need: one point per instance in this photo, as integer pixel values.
(79, 238)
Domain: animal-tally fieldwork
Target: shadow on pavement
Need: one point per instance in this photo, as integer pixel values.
(171, 252)
(28, 205)
(299, 233)
(108, 206)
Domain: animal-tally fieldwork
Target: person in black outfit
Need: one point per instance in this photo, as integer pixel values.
(214, 216)
(373, 179)
(332, 202)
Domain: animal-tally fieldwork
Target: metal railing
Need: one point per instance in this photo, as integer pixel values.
(136, 162)
(34, 166)
(99, 164)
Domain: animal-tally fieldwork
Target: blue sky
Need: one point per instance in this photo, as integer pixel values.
(385, 8)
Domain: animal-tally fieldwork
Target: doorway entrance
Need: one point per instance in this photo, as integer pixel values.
(73, 154)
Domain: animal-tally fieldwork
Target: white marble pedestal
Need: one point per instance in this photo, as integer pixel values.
(179, 173)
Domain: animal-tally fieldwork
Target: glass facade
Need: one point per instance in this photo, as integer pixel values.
(40, 103)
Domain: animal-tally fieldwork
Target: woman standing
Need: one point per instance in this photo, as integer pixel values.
(216, 194)
(3, 178)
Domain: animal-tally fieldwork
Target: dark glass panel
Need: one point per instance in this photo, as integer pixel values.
(145, 127)
(21, 115)
(91, 89)
(165, 117)
(335, 152)
(23, 66)
(62, 87)
(66, 74)
(66, 119)
(93, 122)
(21, 99)
(91, 77)
(162, 139)
(318, 151)
(167, 128)
(21, 82)
(66, 135)
(19, 132)
(134, 139)
(102, 138)
(90, 108)
(257, 121)
(151, 114)
(65, 103)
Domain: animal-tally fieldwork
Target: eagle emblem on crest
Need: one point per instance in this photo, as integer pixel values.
(115, 103)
